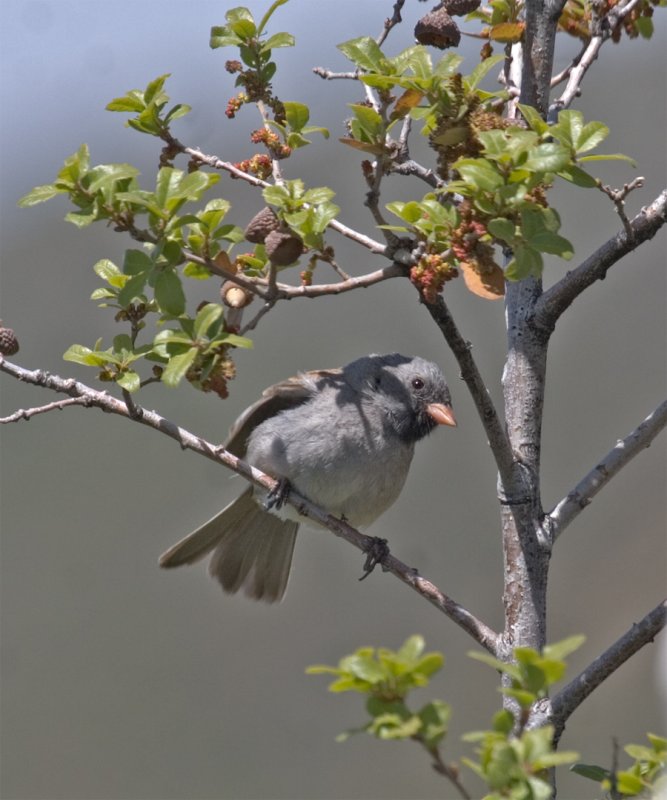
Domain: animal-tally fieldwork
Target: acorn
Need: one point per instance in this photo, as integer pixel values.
(459, 8)
(261, 225)
(235, 296)
(9, 344)
(437, 29)
(283, 248)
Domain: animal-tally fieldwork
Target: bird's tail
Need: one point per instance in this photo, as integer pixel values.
(251, 549)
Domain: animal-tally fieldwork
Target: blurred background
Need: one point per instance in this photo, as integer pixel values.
(122, 681)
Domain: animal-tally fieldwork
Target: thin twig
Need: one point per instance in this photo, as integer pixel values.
(569, 508)
(329, 75)
(561, 295)
(27, 413)
(495, 431)
(90, 397)
(391, 22)
(577, 71)
(574, 694)
(617, 197)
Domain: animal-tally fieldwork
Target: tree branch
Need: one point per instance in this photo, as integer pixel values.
(561, 295)
(574, 694)
(89, 397)
(495, 431)
(579, 67)
(621, 454)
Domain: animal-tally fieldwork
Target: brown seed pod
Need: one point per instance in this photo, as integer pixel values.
(9, 344)
(437, 29)
(459, 8)
(261, 225)
(283, 248)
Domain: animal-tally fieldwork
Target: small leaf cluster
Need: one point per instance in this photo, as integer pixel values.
(513, 759)
(515, 766)
(386, 677)
(307, 212)
(150, 280)
(579, 19)
(256, 68)
(646, 777)
(149, 106)
(503, 20)
(431, 93)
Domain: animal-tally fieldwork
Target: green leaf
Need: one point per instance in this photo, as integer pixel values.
(480, 173)
(501, 666)
(533, 118)
(502, 228)
(609, 157)
(644, 26)
(592, 771)
(40, 194)
(590, 136)
(364, 52)
(269, 13)
(548, 242)
(370, 121)
(132, 289)
(233, 340)
(411, 648)
(84, 355)
(365, 668)
(296, 114)
(129, 381)
(578, 176)
(321, 194)
(222, 36)
(629, 783)
(473, 80)
(560, 650)
(155, 87)
(278, 40)
(206, 316)
(527, 261)
(136, 262)
(106, 270)
(549, 157)
(169, 293)
(178, 366)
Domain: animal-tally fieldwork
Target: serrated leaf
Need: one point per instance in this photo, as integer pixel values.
(364, 52)
(177, 367)
(549, 157)
(590, 136)
(369, 119)
(320, 194)
(206, 316)
(40, 194)
(480, 173)
(578, 176)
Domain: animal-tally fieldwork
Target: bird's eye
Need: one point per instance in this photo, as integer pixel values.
(417, 383)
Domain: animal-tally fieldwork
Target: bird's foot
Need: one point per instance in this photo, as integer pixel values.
(376, 552)
(277, 497)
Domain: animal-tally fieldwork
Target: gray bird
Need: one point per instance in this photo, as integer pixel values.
(344, 438)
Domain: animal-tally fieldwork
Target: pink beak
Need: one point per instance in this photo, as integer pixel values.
(441, 414)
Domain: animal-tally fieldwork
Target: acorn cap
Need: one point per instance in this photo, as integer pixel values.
(235, 296)
(438, 29)
(261, 225)
(283, 248)
(459, 8)
(9, 344)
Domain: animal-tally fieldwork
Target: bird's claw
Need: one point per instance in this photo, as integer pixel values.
(376, 552)
(277, 497)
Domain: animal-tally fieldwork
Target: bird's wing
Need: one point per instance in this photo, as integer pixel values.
(279, 397)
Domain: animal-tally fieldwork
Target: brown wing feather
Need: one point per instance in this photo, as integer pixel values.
(279, 397)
